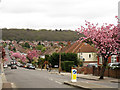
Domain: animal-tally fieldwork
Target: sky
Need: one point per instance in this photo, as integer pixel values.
(56, 14)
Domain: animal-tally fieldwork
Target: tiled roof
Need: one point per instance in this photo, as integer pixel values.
(78, 47)
(50, 51)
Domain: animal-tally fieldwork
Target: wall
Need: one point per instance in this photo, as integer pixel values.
(115, 73)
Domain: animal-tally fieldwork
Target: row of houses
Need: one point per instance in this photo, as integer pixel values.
(84, 51)
(87, 53)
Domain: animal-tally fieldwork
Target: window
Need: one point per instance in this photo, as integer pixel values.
(113, 59)
(89, 55)
(81, 57)
(100, 60)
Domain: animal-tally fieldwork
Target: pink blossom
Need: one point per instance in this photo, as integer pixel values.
(104, 38)
(16, 55)
(32, 54)
(6, 59)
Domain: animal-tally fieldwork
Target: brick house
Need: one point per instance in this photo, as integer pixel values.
(112, 59)
(84, 51)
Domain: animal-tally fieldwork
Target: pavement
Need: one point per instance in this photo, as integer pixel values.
(92, 82)
(4, 83)
(0, 82)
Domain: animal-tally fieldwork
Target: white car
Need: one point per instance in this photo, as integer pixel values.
(5, 66)
(114, 65)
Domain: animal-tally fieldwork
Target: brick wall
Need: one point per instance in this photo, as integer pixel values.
(115, 73)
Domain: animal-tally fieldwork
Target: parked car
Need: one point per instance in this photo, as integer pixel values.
(13, 62)
(24, 65)
(114, 65)
(9, 65)
(92, 64)
(31, 67)
(13, 67)
(21, 65)
(28, 64)
(5, 66)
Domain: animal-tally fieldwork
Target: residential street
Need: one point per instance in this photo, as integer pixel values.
(25, 78)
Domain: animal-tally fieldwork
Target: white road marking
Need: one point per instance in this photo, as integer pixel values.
(55, 81)
(51, 79)
(58, 82)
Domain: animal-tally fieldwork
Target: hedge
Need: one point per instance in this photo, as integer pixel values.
(66, 65)
(54, 58)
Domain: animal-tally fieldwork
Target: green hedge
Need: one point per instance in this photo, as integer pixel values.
(66, 65)
(54, 58)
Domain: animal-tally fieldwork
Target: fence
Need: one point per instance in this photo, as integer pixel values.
(115, 73)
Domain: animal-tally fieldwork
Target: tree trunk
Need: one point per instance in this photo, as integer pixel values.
(103, 68)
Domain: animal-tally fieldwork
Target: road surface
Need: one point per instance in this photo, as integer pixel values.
(26, 78)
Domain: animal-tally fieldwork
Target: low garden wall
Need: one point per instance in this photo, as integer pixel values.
(115, 73)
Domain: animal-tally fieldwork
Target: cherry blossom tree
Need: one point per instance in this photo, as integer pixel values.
(5, 59)
(16, 55)
(32, 54)
(11, 52)
(23, 58)
(19, 56)
(105, 38)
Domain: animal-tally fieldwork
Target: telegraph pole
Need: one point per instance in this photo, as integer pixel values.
(60, 60)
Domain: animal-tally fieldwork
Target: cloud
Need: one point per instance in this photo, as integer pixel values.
(66, 14)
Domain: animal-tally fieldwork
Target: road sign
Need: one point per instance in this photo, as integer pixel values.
(74, 75)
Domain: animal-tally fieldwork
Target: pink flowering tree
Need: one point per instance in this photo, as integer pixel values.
(11, 52)
(5, 59)
(32, 54)
(106, 40)
(16, 55)
(23, 58)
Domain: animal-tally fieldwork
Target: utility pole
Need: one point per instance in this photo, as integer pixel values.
(60, 60)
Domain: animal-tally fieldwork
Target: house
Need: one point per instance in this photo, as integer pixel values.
(112, 59)
(84, 51)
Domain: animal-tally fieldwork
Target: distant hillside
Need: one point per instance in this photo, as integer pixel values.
(38, 35)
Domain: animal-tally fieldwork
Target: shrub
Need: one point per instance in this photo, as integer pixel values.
(54, 58)
(66, 65)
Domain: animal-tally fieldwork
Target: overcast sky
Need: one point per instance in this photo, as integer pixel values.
(56, 14)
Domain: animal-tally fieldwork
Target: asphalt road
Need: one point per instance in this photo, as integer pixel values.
(25, 78)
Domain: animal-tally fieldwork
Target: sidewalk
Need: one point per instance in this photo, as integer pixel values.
(92, 82)
(4, 83)
(0, 82)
